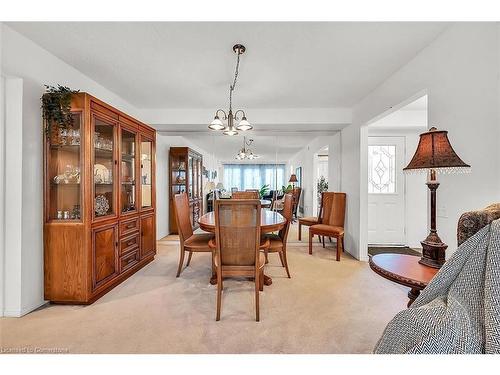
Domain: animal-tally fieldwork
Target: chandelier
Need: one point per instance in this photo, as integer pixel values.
(246, 153)
(243, 125)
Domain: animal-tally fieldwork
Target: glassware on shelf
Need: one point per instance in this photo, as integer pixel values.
(102, 143)
(74, 137)
(71, 175)
(63, 136)
(75, 213)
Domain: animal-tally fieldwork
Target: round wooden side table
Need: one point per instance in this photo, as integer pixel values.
(405, 270)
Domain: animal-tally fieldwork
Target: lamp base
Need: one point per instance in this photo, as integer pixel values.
(433, 251)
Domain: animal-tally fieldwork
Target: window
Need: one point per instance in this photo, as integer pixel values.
(381, 169)
(254, 176)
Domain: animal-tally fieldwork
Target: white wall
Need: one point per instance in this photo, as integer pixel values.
(459, 72)
(163, 144)
(2, 179)
(31, 67)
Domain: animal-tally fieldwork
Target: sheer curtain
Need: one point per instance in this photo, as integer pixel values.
(254, 176)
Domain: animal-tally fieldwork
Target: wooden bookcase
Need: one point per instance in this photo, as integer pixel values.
(99, 201)
(185, 176)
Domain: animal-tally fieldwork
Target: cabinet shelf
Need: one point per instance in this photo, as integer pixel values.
(101, 153)
(128, 158)
(65, 184)
(66, 148)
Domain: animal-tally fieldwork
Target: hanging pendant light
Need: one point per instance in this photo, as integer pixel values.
(243, 125)
(246, 153)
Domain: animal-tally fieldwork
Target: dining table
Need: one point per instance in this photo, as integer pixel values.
(270, 221)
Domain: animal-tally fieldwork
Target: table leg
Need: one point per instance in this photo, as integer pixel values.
(412, 295)
(267, 280)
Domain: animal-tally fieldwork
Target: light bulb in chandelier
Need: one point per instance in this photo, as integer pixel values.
(244, 125)
(230, 131)
(216, 124)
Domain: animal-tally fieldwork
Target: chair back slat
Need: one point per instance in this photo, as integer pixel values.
(237, 231)
(288, 215)
(181, 208)
(253, 194)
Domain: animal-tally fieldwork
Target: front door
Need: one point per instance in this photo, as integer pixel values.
(386, 191)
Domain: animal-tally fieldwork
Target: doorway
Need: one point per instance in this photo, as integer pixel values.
(320, 165)
(396, 203)
(386, 191)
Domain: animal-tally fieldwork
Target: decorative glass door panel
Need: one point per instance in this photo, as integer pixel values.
(146, 173)
(128, 180)
(63, 171)
(103, 168)
(381, 169)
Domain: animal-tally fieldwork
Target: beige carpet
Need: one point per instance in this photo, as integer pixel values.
(326, 307)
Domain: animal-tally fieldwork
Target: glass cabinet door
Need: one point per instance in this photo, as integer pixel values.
(191, 176)
(146, 173)
(104, 165)
(127, 169)
(63, 171)
(200, 187)
(178, 177)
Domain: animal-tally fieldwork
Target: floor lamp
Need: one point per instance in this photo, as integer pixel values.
(435, 155)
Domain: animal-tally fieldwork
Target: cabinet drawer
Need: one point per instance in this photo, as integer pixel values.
(129, 244)
(129, 260)
(128, 227)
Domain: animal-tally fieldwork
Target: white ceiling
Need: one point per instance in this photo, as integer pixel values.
(411, 116)
(417, 105)
(278, 148)
(190, 65)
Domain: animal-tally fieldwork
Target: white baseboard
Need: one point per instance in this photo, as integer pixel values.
(23, 311)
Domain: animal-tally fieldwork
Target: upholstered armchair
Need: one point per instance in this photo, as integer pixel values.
(471, 222)
(458, 312)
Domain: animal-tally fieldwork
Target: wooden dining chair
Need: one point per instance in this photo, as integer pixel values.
(296, 192)
(237, 238)
(332, 222)
(277, 242)
(189, 242)
(311, 220)
(253, 194)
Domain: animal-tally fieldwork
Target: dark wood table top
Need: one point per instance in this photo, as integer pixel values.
(270, 221)
(403, 269)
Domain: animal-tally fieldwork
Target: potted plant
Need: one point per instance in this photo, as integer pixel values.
(56, 106)
(263, 191)
(287, 189)
(322, 186)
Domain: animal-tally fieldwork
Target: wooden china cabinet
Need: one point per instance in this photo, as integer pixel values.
(185, 176)
(99, 201)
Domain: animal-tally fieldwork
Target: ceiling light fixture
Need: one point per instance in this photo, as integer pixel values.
(246, 153)
(243, 125)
